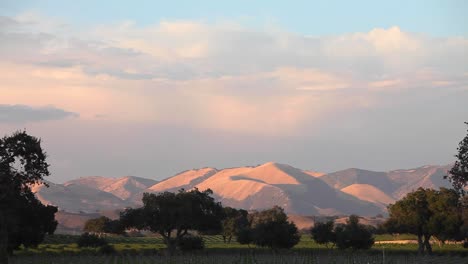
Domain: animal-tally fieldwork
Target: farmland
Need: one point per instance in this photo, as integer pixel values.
(63, 249)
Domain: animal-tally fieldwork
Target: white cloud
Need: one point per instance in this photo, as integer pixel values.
(218, 76)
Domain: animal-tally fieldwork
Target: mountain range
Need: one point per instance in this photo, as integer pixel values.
(299, 192)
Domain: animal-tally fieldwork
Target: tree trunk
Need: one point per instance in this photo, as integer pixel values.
(427, 244)
(3, 239)
(170, 243)
(420, 245)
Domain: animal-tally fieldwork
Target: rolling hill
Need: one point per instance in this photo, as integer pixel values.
(300, 192)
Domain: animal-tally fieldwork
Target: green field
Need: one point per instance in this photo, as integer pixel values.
(63, 249)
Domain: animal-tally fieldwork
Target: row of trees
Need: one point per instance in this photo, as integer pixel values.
(350, 235)
(426, 213)
(174, 215)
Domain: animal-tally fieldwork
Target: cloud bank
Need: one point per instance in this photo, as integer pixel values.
(221, 76)
(24, 113)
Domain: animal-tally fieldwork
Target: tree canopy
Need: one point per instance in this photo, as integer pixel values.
(172, 215)
(353, 235)
(458, 175)
(103, 224)
(234, 221)
(426, 213)
(323, 233)
(269, 228)
(350, 235)
(23, 219)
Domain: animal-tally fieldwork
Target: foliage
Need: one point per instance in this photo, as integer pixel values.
(270, 228)
(458, 175)
(426, 213)
(22, 164)
(276, 234)
(323, 233)
(190, 242)
(353, 235)
(31, 222)
(91, 240)
(168, 213)
(103, 224)
(96, 225)
(234, 221)
(244, 236)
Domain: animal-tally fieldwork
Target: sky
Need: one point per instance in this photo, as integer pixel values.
(152, 88)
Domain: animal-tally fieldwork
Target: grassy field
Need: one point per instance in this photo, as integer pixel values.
(63, 249)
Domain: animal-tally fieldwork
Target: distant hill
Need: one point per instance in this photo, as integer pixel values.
(299, 192)
(123, 188)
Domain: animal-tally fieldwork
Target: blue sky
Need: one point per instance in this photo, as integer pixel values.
(152, 88)
(435, 17)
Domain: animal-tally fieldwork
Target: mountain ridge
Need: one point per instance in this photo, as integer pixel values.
(301, 192)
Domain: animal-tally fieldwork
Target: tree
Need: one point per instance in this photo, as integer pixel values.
(353, 235)
(29, 222)
(271, 228)
(426, 213)
(458, 175)
(22, 164)
(172, 215)
(446, 219)
(96, 225)
(234, 221)
(103, 225)
(323, 233)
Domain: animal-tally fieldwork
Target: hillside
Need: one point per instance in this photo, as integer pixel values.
(276, 184)
(300, 192)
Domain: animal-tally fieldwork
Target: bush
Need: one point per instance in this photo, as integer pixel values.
(276, 234)
(353, 235)
(244, 236)
(323, 233)
(189, 242)
(90, 240)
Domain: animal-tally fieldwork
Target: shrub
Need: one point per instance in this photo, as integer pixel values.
(90, 240)
(353, 235)
(244, 236)
(189, 242)
(323, 233)
(276, 234)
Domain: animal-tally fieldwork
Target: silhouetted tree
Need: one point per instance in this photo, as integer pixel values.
(446, 220)
(22, 163)
(426, 213)
(323, 233)
(353, 235)
(271, 228)
(30, 221)
(172, 215)
(458, 175)
(102, 225)
(244, 235)
(234, 221)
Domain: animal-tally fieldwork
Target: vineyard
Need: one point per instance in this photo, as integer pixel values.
(60, 249)
(262, 258)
